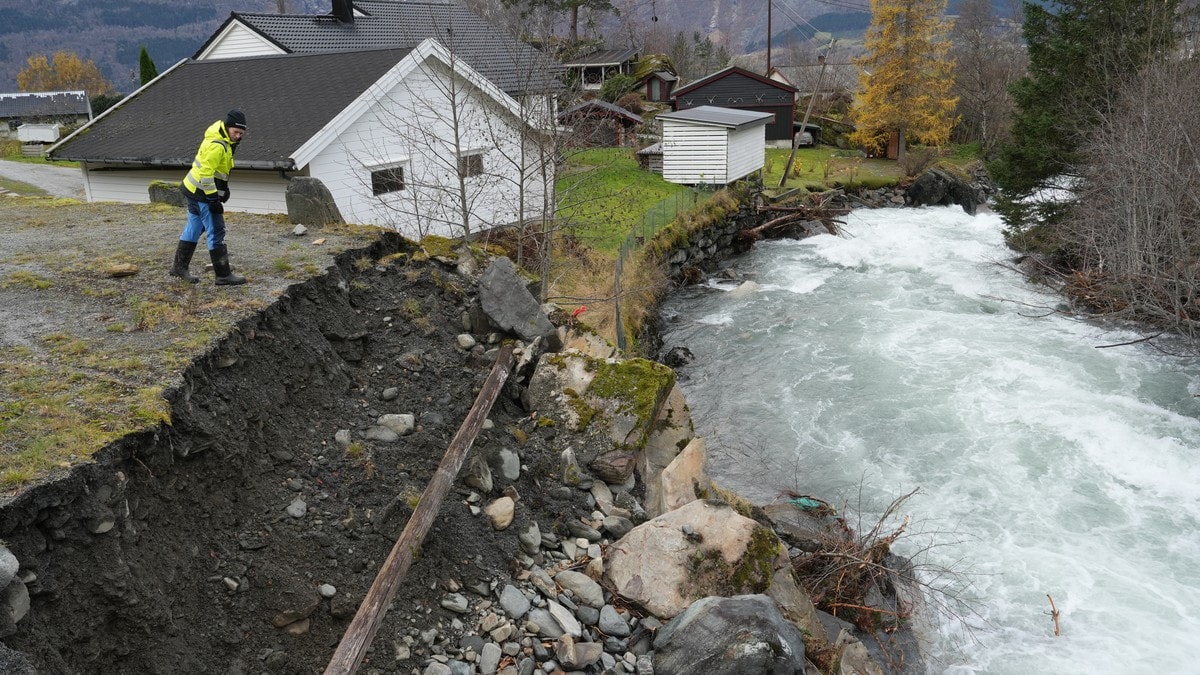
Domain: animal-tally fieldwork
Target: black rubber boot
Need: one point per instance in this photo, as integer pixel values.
(220, 261)
(183, 258)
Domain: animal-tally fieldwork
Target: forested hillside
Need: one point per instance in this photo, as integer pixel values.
(110, 32)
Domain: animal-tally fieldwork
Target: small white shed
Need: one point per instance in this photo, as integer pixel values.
(39, 133)
(711, 145)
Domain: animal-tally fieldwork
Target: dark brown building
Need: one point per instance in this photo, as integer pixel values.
(736, 87)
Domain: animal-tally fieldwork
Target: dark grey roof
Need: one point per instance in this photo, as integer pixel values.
(510, 64)
(723, 117)
(665, 75)
(44, 104)
(655, 149)
(603, 57)
(287, 99)
(602, 106)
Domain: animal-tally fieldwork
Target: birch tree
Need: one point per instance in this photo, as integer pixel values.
(906, 76)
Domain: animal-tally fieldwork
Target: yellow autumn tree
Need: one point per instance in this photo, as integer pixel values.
(905, 77)
(65, 71)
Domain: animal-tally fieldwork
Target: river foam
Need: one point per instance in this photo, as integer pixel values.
(903, 356)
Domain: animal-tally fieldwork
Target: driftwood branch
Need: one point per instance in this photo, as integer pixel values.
(353, 647)
(1054, 613)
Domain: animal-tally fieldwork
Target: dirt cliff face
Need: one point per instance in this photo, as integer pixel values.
(183, 549)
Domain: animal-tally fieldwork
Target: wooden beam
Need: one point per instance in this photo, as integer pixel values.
(353, 647)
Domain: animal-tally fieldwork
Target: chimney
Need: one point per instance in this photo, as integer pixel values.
(343, 11)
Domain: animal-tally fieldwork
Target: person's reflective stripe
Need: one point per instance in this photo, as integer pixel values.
(221, 176)
(198, 184)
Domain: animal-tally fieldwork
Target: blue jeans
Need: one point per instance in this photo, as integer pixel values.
(202, 219)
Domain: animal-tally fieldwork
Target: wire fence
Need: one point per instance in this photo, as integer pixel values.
(654, 219)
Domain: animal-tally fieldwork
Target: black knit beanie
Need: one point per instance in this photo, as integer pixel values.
(235, 118)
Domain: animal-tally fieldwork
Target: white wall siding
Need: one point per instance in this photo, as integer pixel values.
(747, 151)
(238, 41)
(251, 191)
(694, 153)
(411, 126)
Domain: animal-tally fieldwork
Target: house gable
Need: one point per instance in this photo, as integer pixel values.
(234, 40)
(429, 50)
(412, 129)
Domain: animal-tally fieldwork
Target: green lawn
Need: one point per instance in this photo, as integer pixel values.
(824, 165)
(605, 194)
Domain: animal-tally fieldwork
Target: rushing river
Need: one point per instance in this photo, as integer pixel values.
(902, 356)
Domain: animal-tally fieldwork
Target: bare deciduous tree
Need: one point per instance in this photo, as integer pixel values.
(1133, 226)
(989, 57)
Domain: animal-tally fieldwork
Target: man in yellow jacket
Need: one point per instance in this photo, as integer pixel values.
(206, 187)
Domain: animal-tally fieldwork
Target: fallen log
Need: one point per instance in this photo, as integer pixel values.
(353, 647)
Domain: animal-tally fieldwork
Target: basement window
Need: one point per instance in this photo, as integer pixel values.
(470, 165)
(387, 180)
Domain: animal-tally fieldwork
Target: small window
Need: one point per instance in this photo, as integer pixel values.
(470, 165)
(387, 180)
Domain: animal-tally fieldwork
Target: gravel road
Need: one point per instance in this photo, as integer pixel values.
(60, 181)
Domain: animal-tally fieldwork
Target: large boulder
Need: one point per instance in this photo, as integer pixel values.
(166, 192)
(729, 636)
(310, 203)
(703, 548)
(509, 306)
(937, 187)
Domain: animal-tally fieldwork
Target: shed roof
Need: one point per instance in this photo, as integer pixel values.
(711, 115)
(512, 65)
(287, 99)
(44, 104)
(603, 57)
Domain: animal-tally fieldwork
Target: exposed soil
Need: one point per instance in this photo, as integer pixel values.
(204, 555)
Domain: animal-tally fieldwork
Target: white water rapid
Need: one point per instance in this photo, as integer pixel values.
(901, 356)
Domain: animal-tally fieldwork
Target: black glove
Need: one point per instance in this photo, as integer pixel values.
(217, 208)
(222, 190)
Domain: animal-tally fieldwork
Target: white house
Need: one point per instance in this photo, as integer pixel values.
(523, 72)
(712, 146)
(414, 140)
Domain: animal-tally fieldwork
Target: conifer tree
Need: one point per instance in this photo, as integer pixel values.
(906, 76)
(1079, 53)
(146, 68)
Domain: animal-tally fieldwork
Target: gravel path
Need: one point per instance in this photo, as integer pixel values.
(60, 181)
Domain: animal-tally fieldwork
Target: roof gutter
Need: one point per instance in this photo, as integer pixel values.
(257, 165)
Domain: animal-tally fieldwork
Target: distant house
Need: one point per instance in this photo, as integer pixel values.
(712, 145)
(66, 108)
(597, 123)
(741, 89)
(657, 86)
(517, 68)
(592, 70)
(372, 125)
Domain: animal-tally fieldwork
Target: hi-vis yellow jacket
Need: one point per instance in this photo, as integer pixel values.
(214, 161)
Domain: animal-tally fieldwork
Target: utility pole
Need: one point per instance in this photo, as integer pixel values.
(808, 111)
(769, 3)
